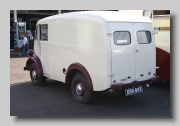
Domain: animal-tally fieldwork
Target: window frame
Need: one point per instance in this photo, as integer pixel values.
(36, 33)
(144, 31)
(122, 44)
(41, 32)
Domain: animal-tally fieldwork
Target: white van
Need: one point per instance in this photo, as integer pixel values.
(94, 51)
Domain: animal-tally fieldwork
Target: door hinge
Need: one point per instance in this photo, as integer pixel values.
(111, 75)
(109, 34)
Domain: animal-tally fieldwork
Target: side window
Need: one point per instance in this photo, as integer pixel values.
(44, 32)
(143, 37)
(122, 38)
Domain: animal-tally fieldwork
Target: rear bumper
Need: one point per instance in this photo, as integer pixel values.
(121, 85)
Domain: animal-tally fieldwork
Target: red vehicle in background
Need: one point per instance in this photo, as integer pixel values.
(163, 46)
(162, 25)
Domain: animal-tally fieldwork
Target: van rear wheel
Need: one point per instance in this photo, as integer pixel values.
(37, 80)
(80, 90)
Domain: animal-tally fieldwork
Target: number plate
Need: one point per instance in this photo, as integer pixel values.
(132, 91)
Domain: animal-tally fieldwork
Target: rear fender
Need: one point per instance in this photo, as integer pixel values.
(82, 69)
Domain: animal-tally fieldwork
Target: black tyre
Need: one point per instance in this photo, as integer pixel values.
(80, 90)
(37, 80)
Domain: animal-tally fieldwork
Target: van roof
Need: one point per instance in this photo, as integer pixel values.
(109, 16)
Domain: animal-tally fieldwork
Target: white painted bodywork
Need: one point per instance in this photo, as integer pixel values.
(86, 38)
(138, 12)
(134, 59)
(146, 55)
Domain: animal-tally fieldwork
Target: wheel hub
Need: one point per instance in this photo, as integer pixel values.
(79, 89)
(34, 74)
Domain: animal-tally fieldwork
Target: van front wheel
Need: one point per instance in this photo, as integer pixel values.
(37, 80)
(79, 89)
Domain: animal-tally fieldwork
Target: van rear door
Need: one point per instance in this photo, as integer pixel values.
(133, 52)
(123, 52)
(145, 51)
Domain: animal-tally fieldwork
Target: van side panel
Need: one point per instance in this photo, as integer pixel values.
(82, 40)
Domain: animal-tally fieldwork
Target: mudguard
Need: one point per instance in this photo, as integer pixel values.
(34, 59)
(82, 69)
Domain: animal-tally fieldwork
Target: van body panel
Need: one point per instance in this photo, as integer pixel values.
(145, 56)
(133, 61)
(123, 59)
(95, 61)
(109, 16)
(86, 39)
(69, 42)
